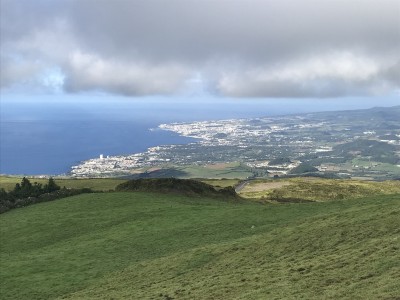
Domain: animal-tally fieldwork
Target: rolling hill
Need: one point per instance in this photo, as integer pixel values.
(145, 245)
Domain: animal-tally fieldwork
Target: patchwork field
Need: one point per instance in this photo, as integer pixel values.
(158, 246)
(232, 170)
(228, 170)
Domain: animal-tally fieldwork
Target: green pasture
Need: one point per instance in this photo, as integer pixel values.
(159, 246)
(230, 171)
(378, 166)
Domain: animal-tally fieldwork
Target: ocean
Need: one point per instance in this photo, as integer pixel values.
(46, 135)
(52, 147)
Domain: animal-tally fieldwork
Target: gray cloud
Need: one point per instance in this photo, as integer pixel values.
(13, 71)
(89, 72)
(242, 48)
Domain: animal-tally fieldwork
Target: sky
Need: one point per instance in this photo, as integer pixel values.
(246, 49)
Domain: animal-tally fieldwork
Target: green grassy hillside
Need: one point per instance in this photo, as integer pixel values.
(316, 189)
(150, 246)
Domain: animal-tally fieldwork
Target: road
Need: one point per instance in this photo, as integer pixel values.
(241, 185)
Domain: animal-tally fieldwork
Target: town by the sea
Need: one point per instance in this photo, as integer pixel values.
(50, 135)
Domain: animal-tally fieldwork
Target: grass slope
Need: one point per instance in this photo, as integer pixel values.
(317, 189)
(221, 183)
(152, 246)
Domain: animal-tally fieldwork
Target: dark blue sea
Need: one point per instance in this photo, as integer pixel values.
(52, 147)
(47, 135)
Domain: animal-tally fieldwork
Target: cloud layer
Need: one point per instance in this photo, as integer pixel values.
(241, 48)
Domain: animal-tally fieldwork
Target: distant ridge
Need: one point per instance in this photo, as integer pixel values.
(188, 187)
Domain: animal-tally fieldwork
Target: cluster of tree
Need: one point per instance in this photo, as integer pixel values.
(303, 168)
(26, 193)
(280, 161)
(26, 189)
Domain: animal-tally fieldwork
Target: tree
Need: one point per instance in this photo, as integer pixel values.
(26, 184)
(23, 189)
(37, 189)
(303, 168)
(26, 188)
(51, 186)
(3, 195)
(17, 188)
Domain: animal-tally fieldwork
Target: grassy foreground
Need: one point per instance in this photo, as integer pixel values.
(152, 246)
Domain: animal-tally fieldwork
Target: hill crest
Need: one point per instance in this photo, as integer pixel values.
(188, 187)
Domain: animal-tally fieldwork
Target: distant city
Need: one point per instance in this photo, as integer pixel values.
(360, 143)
